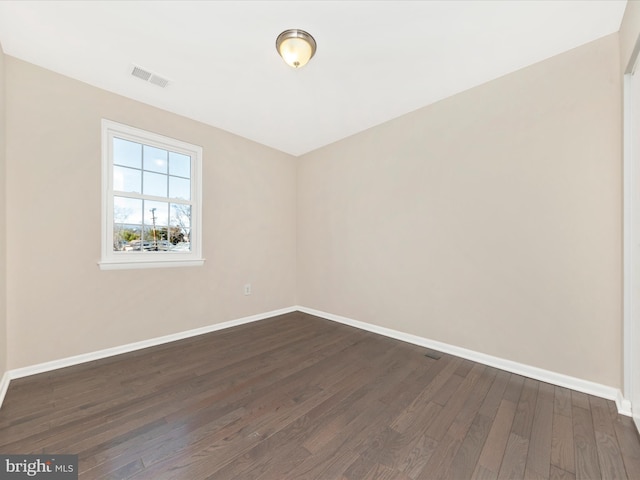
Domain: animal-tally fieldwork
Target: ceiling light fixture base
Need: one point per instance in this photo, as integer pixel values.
(296, 47)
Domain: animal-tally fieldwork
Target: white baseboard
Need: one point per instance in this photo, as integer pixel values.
(584, 386)
(4, 386)
(624, 405)
(130, 347)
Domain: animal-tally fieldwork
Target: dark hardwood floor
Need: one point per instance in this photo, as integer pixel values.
(298, 397)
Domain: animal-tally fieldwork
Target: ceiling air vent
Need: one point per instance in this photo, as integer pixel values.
(148, 76)
(161, 82)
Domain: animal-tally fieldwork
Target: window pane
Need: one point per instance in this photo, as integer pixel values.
(127, 153)
(118, 239)
(181, 227)
(127, 179)
(126, 237)
(179, 188)
(177, 245)
(155, 159)
(160, 212)
(155, 240)
(127, 210)
(144, 243)
(181, 215)
(179, 165)
(155, 184)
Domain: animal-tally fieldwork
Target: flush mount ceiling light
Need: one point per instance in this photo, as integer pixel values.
(296, 47)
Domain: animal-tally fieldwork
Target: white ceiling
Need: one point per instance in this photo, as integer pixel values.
(376, 60)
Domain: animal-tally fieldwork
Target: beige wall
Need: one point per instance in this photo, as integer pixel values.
(3, 252)
(490, 220)
(59, 302)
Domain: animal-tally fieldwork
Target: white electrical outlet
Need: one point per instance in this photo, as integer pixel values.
(247, 289)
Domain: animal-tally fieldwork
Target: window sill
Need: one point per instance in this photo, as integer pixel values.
(128, 265)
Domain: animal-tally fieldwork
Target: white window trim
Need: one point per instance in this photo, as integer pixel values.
(132, 260)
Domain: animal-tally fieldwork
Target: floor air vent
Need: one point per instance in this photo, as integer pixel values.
(433, 354)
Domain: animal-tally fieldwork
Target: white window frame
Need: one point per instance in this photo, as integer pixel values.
(127, 260)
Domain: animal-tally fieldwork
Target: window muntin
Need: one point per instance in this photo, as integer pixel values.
(152, 198)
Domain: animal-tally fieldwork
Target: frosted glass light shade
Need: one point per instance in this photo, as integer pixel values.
(296, 47)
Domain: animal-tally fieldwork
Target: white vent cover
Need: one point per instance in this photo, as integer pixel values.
(148, 76)
(161, 82)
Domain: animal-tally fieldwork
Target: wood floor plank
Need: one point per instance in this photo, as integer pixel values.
(514, 388)
(181, 405)
(225, 446)
(271, 457)
(556, 473)
(495, 395)
(123, 403)
(466, 458)
(448, 389)
(439, 427)
(441, 464)
(526, 409)
(579, 399)
(562, 447)
(444, 369)
(539, 455)
(515, 455)
(344, 414)
(381, 472)
(300, 397)
(628, 439)
(167, 442)
(417, 458)
(255, 427)
(281, 462)
(587, 464)
(515, 458)
(327, 467)
(416, 448)
(482, 473)
(488, 464)
(379, 450)
(272, 450)
(562, 401)
(609, 455)
(464, 368)
(364, 426)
